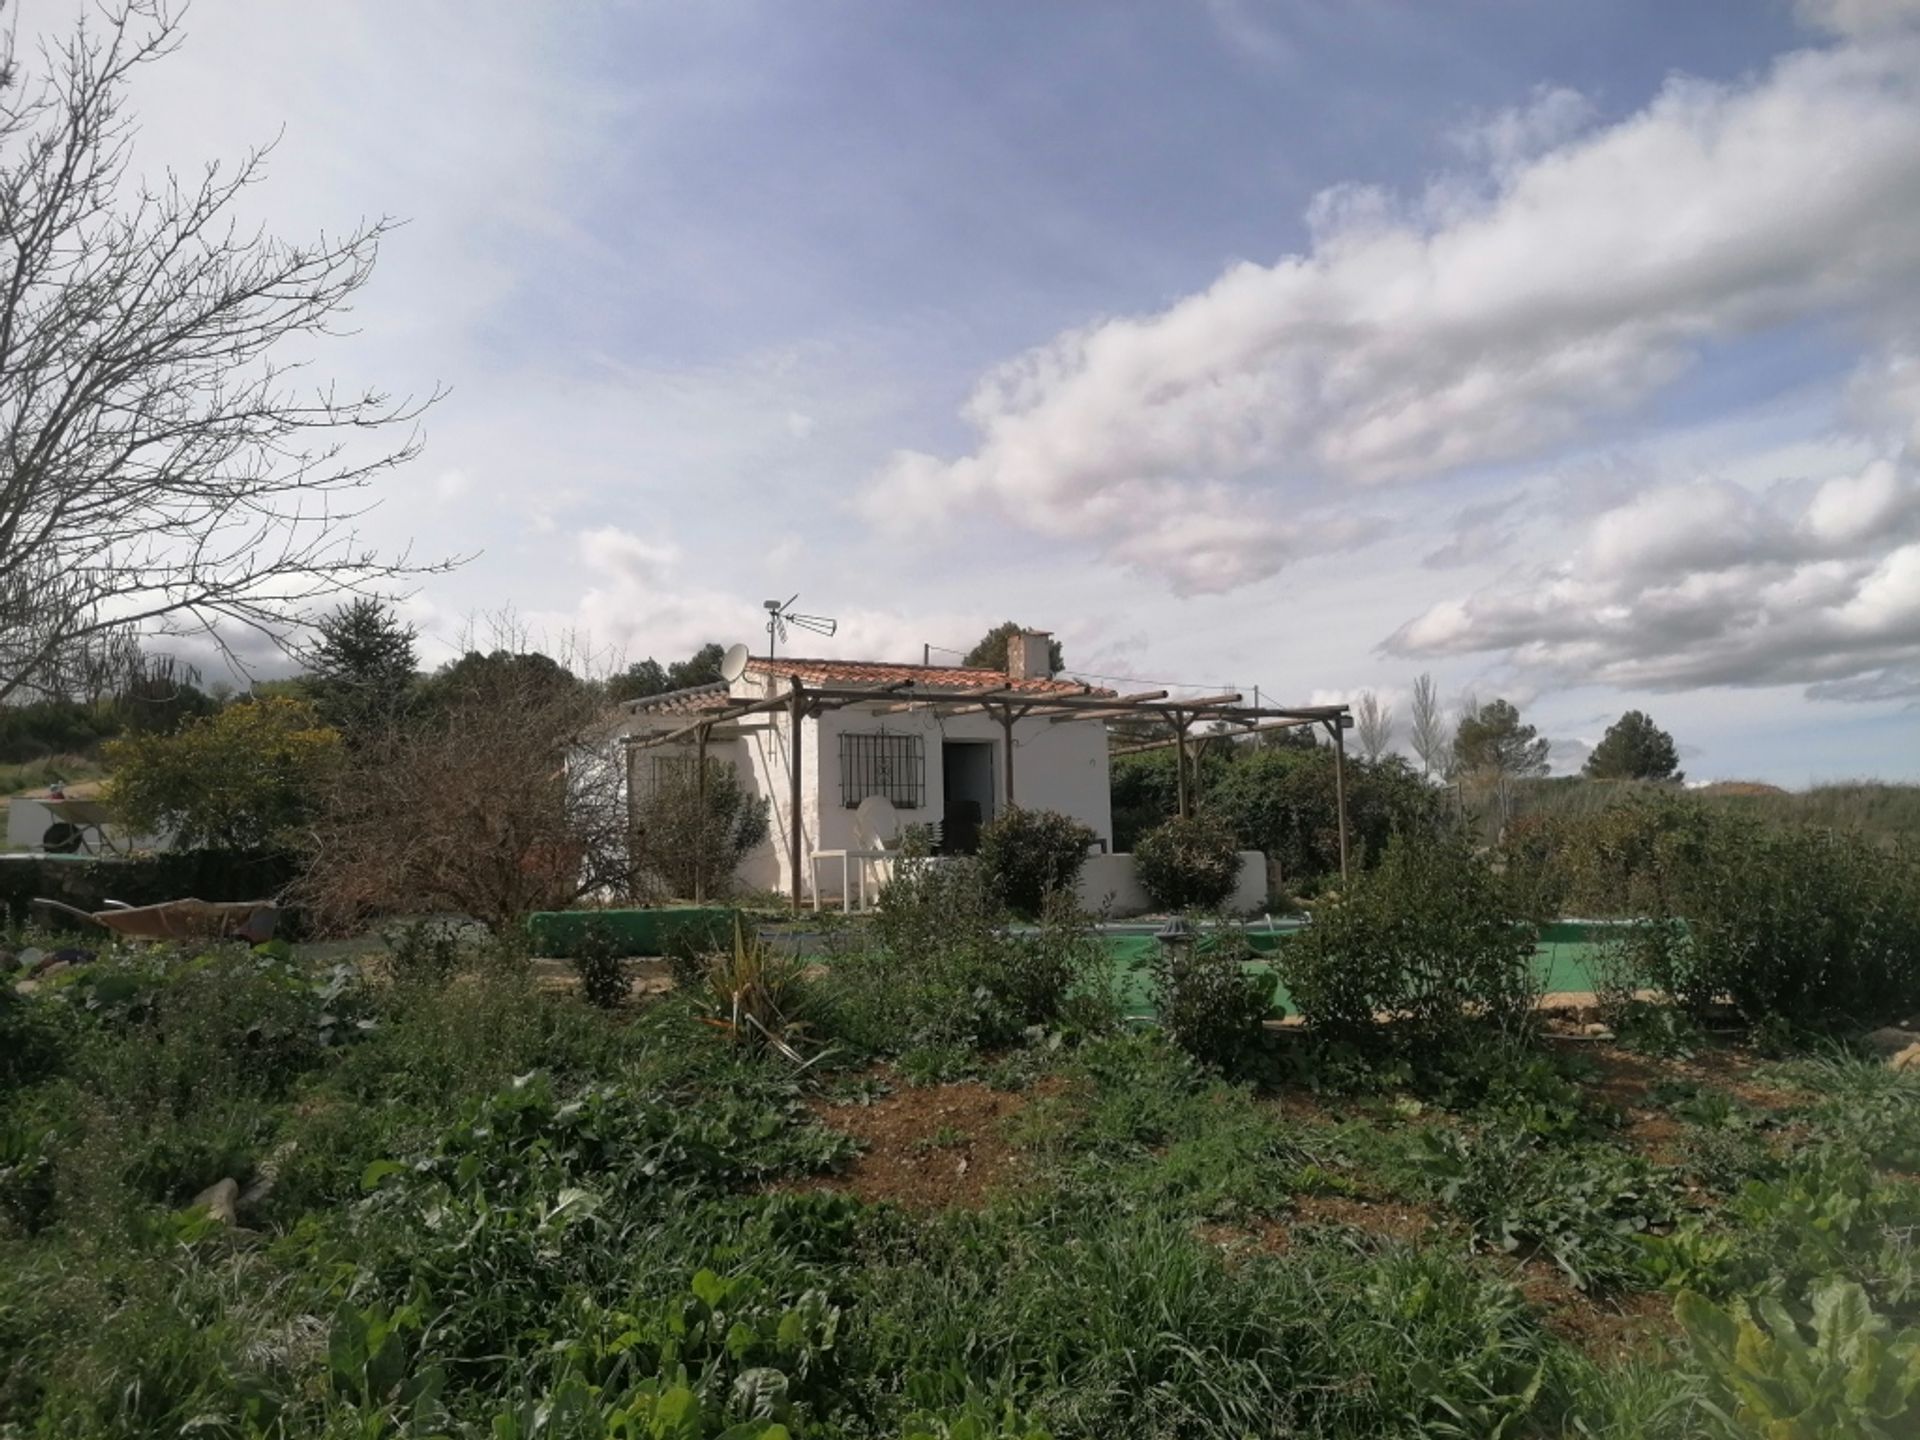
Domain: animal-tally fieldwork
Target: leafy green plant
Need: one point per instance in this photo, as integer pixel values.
(1208, 1002)
(238, 779)
(1580, 1204)
(1855, 1377)
(1421, 949)
(939, 969)
(1189, 863)
(1029, 855)
(686, 840)
(597, 960)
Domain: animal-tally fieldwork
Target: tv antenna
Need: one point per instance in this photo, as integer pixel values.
(782, 615)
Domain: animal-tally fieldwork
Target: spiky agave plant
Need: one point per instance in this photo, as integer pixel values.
(757, 994)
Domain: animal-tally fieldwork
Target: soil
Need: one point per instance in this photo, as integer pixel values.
(1604, 1327)
(931, 1147)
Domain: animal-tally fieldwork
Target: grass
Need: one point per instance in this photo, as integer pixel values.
(478, 1206)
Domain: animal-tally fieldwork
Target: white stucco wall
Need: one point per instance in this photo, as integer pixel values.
(1061, 767)
(1111, 883)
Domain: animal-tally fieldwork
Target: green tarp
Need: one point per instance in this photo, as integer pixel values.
(665, 930)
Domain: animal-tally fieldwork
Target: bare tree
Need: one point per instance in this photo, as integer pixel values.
(505, 796)
(1427, 727)
(1373, 725)
(162, 467)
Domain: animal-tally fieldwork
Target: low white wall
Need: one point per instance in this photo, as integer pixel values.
(1112, 882)
(28, 820)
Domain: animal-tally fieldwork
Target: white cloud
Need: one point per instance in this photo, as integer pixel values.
(1709, 583)
(640, 600)
(1858, 17)
(1472, 326)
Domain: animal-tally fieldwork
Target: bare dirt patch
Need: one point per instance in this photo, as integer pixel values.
(1604, 1327)
(931, 1147)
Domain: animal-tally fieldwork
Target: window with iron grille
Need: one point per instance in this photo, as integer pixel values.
(672, 770)
(891, 765)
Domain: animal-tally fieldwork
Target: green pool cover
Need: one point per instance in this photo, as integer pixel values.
(1564, 953)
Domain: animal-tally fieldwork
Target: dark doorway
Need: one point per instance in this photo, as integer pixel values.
(966, 770)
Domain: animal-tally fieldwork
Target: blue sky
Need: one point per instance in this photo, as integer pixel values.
(1564, 351)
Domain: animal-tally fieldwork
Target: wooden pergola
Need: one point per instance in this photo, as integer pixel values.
(1009, 705)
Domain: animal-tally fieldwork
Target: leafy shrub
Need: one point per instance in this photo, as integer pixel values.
(1208, 1002)
(1282, 800)
(1429, 942)
(676, 841)
(240, 779)
(1856, 1376)
(1793, 927)
(1189, 863)
(1030, 854)
(938, 968)
(603, 974)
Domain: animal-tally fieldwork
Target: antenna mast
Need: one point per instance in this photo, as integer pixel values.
(781, 615)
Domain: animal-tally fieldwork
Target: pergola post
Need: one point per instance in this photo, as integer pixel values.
(795, 708)
(1180, 764)
(1340, 786)
(700, 825)
(1006, 729)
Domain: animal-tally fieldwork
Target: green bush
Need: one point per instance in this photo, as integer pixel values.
(1030, 854)
(1190, 863)
(1428, 944)
(1208, 1002)
(603, 976)
(1800, 927)
(675, 843)
(939, 968)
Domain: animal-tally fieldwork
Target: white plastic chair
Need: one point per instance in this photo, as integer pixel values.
(876, 841)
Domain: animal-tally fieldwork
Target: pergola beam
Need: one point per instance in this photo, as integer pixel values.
(1275, 727)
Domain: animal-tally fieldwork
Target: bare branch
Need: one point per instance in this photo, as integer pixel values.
(160, 465)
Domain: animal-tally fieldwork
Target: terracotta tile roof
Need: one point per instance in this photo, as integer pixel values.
(690, 701)
(929, 677)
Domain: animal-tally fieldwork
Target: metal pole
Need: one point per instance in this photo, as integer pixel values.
(1340, 788)
(794, 709)
(700, 825)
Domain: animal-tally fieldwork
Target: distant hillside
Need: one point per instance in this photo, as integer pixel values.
(1873, 807)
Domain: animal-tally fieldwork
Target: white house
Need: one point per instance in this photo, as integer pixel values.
(948, 746)
(944, 770)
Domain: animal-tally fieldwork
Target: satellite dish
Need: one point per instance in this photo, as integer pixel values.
(733, 664)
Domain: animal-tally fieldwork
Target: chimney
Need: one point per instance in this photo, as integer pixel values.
(1029, 655)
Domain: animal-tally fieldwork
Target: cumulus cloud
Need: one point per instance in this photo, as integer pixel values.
(1709, 583)
(1493, 317)
(1859, 17)
(640, 600)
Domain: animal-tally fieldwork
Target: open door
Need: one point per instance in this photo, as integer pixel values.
(966, 771)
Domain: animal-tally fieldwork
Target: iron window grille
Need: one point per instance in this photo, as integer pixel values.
(894, 766)
(672, 770)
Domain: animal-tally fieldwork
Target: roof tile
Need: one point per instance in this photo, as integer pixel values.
(929, 677)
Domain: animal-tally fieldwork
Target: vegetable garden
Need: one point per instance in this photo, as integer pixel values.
(942, 1186)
